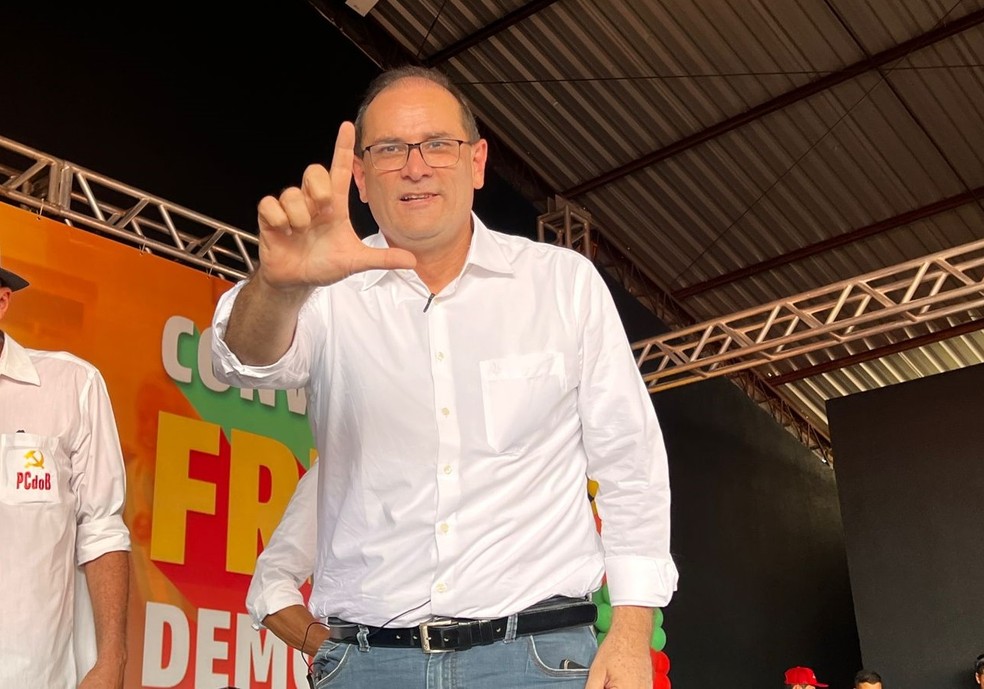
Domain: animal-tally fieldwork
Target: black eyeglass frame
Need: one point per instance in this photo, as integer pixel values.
(410, 147)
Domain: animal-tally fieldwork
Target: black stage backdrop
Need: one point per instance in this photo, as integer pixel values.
(910, 469)
(757, 538)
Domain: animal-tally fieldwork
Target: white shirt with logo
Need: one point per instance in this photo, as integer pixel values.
(62, 487)
(456, 434)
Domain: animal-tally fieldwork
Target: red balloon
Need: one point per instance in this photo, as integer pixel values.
(661, 681)
(661, 661)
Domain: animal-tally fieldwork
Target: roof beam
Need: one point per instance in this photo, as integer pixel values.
(783, 100)
(843, 239)
(485, 33)
(930, 289)
(877, 353)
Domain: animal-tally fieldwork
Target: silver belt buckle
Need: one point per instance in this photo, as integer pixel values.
(424, 627)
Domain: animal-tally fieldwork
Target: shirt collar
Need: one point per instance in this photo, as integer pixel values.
(483, 252)
(16, 364)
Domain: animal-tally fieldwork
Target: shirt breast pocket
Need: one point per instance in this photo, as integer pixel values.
(29, 469)
(519, 393)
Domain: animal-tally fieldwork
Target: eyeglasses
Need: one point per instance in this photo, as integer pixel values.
(388, 157)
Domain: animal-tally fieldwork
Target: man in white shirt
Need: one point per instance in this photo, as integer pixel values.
(462, 384)
(62, 489)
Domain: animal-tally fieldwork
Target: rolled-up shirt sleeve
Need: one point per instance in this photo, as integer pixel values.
(626, 455)
(98, 476)
(288, 559)
(292, 369)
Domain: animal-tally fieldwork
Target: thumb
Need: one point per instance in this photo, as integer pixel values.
(386, 259)
(596, 678)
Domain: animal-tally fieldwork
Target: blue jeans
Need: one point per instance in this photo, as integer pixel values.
(527, 662)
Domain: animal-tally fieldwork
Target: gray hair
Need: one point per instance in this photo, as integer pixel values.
(392, 76)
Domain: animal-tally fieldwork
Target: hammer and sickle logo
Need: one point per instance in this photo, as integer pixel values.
(35, 459)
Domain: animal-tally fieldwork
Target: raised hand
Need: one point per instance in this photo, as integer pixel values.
(306, 235)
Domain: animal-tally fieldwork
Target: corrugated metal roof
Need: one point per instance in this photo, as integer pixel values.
(581, 88)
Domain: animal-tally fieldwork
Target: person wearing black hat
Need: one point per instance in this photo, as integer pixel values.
(62, 489)
(979, 670)
(11, 281)
(801, 678)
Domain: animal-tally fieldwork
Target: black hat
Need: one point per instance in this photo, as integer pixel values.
(12, 280)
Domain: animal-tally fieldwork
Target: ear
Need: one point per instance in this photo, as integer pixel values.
(5, 293)
(359, 177)
(479, 155)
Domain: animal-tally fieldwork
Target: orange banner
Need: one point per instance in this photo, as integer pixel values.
(209, 468)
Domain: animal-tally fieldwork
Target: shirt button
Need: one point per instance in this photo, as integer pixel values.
(441, 587)
(448, 469)
(440, 356)
(446, 411)
(445, 528)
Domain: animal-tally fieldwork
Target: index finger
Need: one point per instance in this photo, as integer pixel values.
(341, 160)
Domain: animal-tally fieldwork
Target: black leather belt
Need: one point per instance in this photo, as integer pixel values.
(453, 634)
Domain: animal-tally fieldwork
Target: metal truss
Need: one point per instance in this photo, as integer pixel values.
(949, 283)
(79, 197)
(567, 225)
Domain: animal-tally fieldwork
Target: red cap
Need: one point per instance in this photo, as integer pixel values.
(802, 675)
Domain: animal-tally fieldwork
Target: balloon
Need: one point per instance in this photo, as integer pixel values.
(661, 661)
(659, 639)
(597, 599)
(604, 621)
(658, 617)
(601, 637)
(661, 681)
(604, 593)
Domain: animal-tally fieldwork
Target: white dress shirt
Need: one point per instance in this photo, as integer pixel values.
(62, 486)
(456, 442)
(288, 559)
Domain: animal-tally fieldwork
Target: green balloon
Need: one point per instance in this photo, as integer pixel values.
(658, 617)
(658, 641)
(601, 637)
(604, 621)
(604, 593)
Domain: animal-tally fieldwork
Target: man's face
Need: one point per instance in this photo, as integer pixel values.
(980, 678)
(869, 685)
(419, 207)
